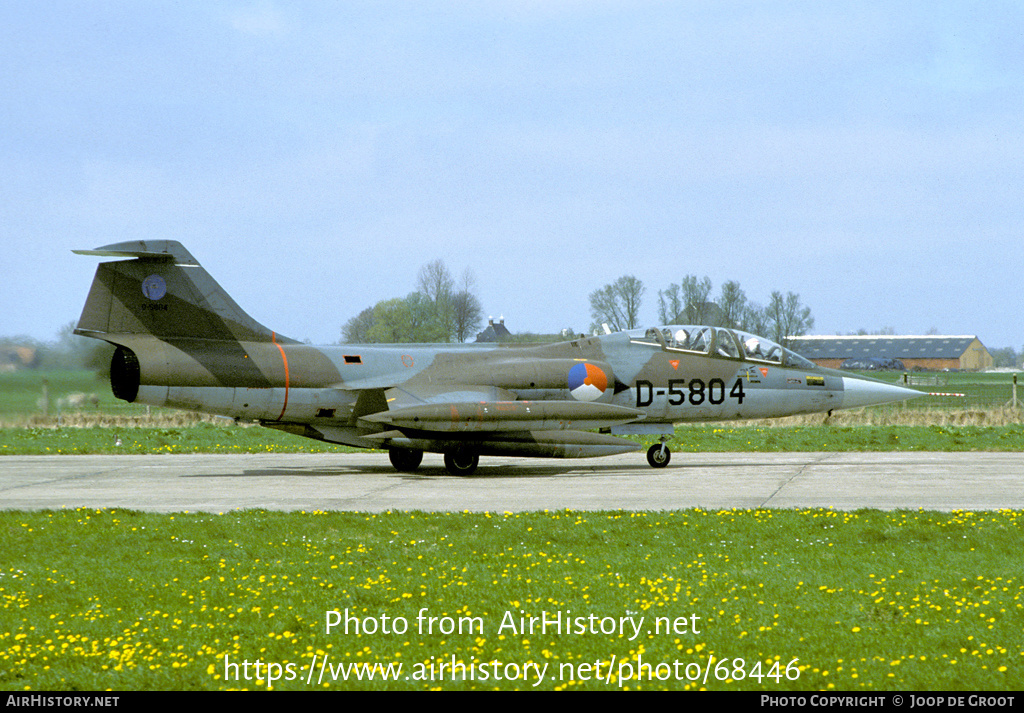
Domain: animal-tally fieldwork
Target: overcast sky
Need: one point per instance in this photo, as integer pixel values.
(314, 155)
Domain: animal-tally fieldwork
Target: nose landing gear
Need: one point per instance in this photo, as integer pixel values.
(659, 455)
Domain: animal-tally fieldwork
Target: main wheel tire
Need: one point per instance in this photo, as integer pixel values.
(461, 463)
(658, 455)
(405, 461)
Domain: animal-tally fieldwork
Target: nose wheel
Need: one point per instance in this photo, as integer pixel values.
(659, 455)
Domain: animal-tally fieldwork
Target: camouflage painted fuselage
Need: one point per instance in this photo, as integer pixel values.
(183, 342)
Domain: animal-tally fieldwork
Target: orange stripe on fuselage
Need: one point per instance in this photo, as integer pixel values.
(287, 376)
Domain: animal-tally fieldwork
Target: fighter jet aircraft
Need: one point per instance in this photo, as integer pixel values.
(182, 342)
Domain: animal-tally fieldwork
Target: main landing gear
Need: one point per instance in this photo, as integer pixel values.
(405, 461)
(461, 463)
(458, 463)
(659, 455)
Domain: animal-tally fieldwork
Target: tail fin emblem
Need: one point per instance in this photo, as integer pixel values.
(154, 287)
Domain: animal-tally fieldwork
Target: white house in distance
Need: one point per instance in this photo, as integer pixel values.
(930, 352)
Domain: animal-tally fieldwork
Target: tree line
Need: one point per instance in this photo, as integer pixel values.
(439, 310)
(442, 309)
(690, 302)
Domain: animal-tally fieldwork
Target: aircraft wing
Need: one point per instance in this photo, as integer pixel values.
(405, 395)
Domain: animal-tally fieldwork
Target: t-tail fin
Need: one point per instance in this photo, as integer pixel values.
(163, 292)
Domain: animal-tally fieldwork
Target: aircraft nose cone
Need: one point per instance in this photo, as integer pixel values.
(865, 392)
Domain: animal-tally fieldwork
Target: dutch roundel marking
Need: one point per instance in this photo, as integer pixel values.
(587, 382)
(154, 287)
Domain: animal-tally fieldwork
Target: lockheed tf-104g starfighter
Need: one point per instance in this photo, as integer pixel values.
(182, 342)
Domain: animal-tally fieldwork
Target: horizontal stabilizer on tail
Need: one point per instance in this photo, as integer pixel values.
(146, 249)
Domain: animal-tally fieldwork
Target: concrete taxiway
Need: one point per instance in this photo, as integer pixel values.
(367, 482)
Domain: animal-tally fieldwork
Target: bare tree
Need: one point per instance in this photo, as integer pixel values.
(467, 314)
(617, 304)
(436, 283)
(787, 317)
(695, 299)
(670, 305)
(731, 304)
(753, 319)
(686, 303)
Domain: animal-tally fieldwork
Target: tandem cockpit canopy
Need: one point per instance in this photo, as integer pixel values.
(722, 342)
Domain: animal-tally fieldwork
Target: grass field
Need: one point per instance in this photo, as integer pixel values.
(756, 599)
